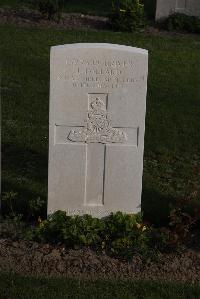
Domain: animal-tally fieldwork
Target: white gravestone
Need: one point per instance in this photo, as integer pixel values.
(165, 8)
(97, 123)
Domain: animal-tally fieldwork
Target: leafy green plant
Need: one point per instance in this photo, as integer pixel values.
(125, 234)
(182, 22)
(84, 231)
(118, 234)
(50, 8)
(127, 15)
(51, 230)
(74, 231)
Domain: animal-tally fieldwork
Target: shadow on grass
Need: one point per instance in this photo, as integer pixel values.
(25, 172)
(26, 162)
(156, 206)
(20, 203)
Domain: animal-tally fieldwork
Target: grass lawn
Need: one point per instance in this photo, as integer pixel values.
(15, 286)
(172, 161)
(102, 7)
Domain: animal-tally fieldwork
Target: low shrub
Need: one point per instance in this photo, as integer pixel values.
(74, 231)
(127, 15)
(125, 234)
(182, 22)
(50, 8)
(118, 234)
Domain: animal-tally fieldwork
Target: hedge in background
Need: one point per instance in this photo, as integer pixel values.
(182, 22)
(50, 8)
(127, 15)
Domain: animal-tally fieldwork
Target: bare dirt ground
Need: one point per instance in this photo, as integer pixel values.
(32, 18)
(30, 258)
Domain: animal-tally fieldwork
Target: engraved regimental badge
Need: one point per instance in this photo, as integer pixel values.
(98, 127)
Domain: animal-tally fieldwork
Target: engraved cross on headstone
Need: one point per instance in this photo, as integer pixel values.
(95, 165)
(97, 134)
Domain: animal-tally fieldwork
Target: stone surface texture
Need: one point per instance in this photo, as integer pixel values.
(96, 132)
(166, 8)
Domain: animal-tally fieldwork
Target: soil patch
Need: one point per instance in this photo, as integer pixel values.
(31, 258)
(32, 18)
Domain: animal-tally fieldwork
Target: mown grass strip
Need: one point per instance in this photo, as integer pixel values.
(14, 286)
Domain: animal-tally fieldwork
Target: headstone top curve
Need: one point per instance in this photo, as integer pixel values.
(101, 46)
